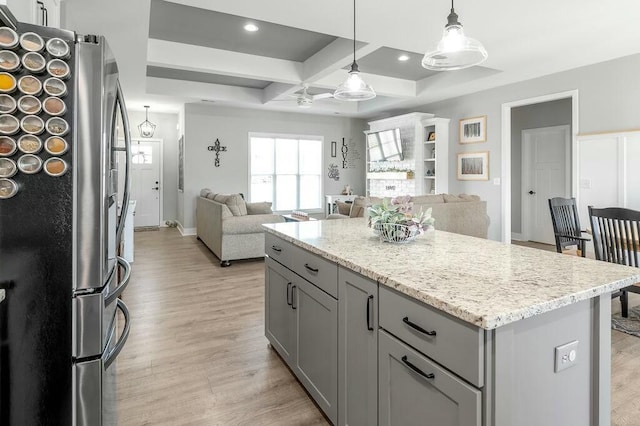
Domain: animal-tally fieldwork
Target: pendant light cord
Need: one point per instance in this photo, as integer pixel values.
(354, 30)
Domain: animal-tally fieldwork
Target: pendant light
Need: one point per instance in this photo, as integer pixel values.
(354, 89)
(455, 51)
(146, 128)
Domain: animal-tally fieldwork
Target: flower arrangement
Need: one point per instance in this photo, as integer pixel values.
(395, 220)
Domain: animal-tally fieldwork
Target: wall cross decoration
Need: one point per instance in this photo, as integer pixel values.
(217, 148)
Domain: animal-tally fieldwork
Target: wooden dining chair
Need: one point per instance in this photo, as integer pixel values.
(615, 239)
(566, 225)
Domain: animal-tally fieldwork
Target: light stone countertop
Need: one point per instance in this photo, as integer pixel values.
(483, 282)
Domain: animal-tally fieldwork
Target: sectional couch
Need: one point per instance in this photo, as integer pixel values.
(230, 227)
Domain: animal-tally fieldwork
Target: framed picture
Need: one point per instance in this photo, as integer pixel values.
(432, 136)
(473, 165)
(334, 149)
(181, 164)
(473, 130)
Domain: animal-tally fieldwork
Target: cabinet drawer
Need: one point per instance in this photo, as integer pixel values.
(321, 272)
(413, 390)
(279, 250)
(451, 342)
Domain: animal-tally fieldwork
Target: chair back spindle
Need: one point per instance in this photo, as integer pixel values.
(615, 235)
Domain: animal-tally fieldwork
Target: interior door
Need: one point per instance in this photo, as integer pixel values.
(145, 181)
(546, 171)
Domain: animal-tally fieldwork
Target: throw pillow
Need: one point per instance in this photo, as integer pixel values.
(468, 197)
(428, 199)
(360, 204)
(448, 198)
(204, 192)
(259, 208)
(236, 204)
(344, 208)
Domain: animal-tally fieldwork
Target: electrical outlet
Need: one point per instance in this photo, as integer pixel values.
(566, 356)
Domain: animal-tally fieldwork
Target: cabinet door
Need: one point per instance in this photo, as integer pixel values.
(279, 314)
(316, 362)
(415, 391)
(358, 349)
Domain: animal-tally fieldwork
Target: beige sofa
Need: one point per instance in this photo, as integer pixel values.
(231, 228)
(463, 214)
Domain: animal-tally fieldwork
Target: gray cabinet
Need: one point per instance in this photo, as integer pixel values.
(413, 390)
(358, 349)
(316, 363)
(279, 314)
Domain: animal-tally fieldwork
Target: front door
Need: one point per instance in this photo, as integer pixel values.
(145, 181)
(546, 172)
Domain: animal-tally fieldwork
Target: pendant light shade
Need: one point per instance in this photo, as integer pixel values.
(455, 51)
(354, 89)
(146, 128)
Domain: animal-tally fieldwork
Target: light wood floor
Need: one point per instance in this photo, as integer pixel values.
(197, 354)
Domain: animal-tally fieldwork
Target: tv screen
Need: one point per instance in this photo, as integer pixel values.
(385, 146)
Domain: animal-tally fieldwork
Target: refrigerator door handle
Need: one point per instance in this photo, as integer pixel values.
(122, 284)
(113, 353)
(127, 145)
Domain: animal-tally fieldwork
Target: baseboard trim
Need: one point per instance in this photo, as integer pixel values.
(517, 236)
(185, 232)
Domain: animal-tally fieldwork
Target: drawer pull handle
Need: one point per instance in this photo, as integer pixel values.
(369, 300)
(429, 376)
(275, 248)
(417, 327)
(288, 294)
(293, 297)
(309, 268)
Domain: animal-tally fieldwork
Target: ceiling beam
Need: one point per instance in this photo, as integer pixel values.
(334, 56)
(278, 91)
(199, 91)
(189, 57)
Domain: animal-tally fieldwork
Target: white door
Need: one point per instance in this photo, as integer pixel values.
(546, 173)
(145, 181)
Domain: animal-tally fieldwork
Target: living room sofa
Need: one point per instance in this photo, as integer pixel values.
(461, 214)
(230, 227)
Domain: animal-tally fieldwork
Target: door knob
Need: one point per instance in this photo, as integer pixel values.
(156, 188)
(532, 192)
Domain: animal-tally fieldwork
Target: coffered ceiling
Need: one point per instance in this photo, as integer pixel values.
(177, 51)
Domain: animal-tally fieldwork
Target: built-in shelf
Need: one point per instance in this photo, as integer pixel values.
(429, 177)
(426, 142)
(390, 175)
(429, 159)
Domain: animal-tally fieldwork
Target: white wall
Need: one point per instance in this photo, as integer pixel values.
(204, 124)
(608, 100)
(546, 114)
(167, 131)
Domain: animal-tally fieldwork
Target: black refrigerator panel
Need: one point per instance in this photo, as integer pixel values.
(36, 264)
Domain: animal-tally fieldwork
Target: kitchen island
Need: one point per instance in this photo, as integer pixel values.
(445, 330)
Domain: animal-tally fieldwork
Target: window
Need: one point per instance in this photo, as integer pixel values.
(287, 171)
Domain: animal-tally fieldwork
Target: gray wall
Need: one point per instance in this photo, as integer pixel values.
(546, 114)
(204, 123)
(167, 131)
(608, 100)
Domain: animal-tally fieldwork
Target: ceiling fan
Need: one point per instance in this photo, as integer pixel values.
(305, 100)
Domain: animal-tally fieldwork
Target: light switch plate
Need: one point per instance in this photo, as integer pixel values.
(566, 356)
(496, 181)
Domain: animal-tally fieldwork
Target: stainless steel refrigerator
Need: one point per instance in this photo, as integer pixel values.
(60, 227)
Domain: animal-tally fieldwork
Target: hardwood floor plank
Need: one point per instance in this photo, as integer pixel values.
(197, 354)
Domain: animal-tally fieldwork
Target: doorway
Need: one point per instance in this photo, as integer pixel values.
(512, 167)
(546, 174)
(146, 187)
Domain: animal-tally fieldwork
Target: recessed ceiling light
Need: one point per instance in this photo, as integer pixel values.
(403, 58)
(252, 28)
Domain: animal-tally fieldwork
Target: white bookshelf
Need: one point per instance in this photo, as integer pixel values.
(433, 171)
